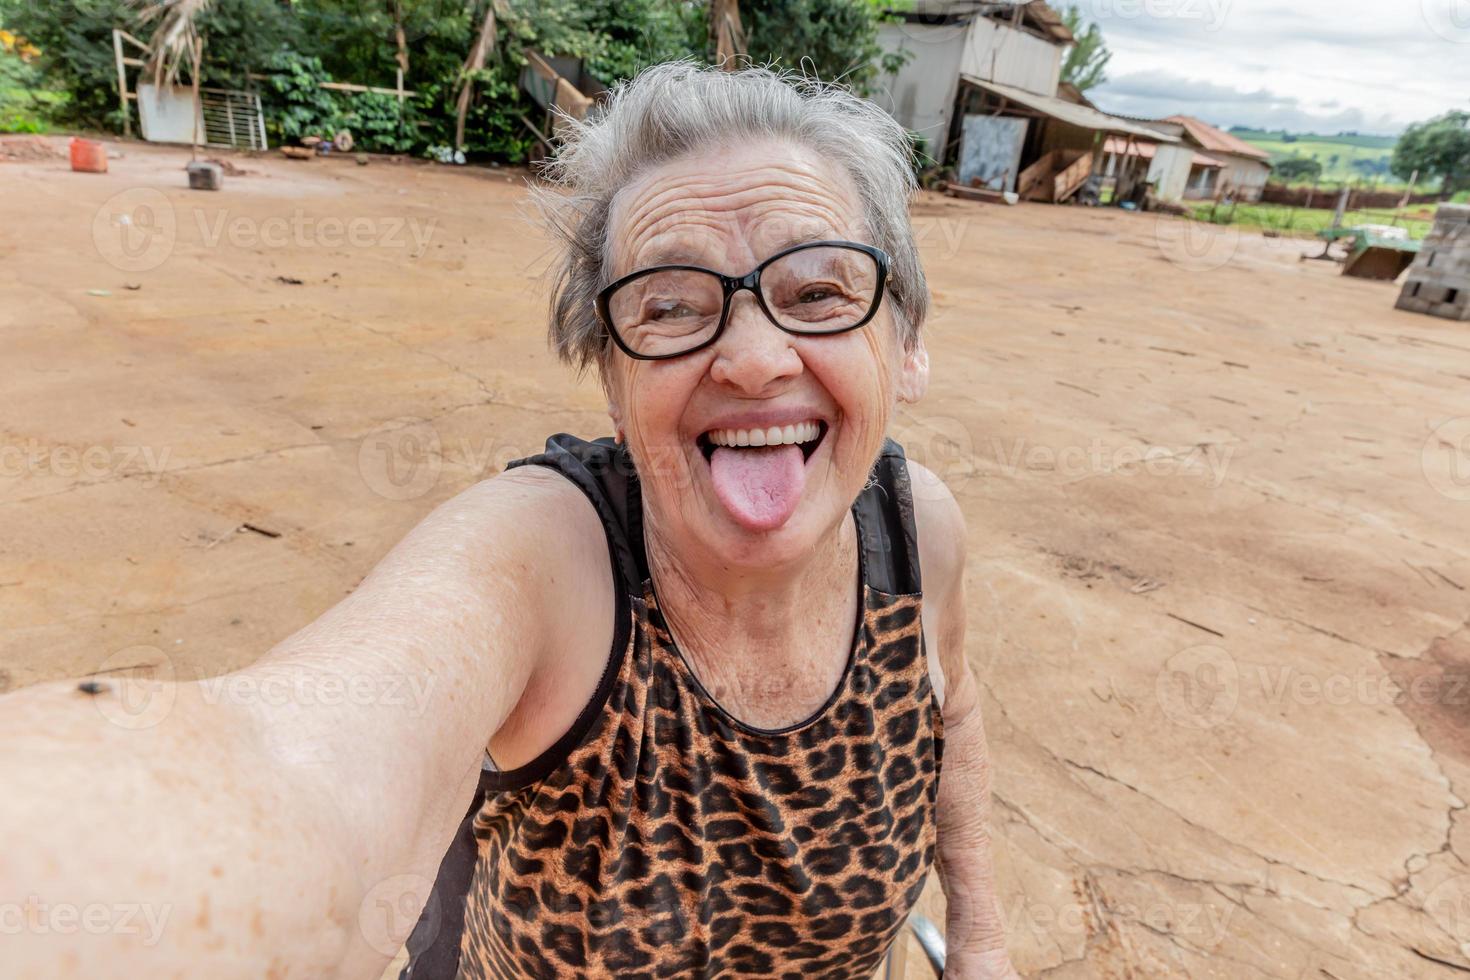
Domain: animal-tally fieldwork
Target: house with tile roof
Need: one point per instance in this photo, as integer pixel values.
(1243, 170)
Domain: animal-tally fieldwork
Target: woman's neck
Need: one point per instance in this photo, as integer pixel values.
(757, 618)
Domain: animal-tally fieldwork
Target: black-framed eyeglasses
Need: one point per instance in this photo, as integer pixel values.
(816, 288)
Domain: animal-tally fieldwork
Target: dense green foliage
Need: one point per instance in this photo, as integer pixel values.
(828, 39)
(1439, 148)
(1298, 168)
(75, 38)
(294, 46)
(25, 105)
(1087, 60)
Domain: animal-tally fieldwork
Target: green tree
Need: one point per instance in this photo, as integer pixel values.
(1439, 147)
(1087, 61)
(76, 43)
(1298, 168)
(835, 40)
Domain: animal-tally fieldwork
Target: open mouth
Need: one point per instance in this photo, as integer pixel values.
(805, 435)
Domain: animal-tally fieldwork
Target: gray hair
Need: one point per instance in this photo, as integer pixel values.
(674, 109)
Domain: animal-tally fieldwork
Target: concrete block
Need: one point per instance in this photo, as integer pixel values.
(1438, 282)
(205, 176)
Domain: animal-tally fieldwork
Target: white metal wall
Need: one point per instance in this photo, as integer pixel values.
(999, 53)
(1169, 170)
(921, 96)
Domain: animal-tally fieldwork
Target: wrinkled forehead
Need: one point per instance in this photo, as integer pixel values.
(729, 208)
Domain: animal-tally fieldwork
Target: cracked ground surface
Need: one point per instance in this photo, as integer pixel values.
(1219, 506)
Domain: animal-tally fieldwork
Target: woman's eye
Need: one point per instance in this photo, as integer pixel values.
(670, 311)
(815, 294)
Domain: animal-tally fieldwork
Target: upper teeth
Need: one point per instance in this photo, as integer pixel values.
(776, 435)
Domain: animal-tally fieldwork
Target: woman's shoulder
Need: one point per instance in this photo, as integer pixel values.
(941, 522)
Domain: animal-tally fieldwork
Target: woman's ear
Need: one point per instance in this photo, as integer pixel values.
(913, 375)
(614, 402)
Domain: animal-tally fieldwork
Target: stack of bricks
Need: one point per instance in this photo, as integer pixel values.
(1439, 279)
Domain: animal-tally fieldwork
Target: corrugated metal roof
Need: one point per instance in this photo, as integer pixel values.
(1050, 21)
(1069, 112)
(1145, 151)
(1217, 140)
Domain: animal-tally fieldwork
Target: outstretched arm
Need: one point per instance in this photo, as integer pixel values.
(263, 823)
(975, 937)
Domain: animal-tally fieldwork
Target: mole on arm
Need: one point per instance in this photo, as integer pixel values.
(93, 687)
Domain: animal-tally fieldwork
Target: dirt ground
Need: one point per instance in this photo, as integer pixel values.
(1218, 498)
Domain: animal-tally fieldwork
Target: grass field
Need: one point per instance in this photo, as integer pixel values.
(1336, 154)
(1306, 222)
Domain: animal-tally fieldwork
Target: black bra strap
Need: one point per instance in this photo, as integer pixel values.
(885, 518)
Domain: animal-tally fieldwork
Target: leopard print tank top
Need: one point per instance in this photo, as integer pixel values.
(662, 837)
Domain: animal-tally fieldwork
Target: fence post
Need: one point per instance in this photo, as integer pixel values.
(122, 82)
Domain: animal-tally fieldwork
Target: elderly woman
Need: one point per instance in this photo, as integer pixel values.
(702, 684)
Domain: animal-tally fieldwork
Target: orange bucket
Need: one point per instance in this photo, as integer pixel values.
(88, 156)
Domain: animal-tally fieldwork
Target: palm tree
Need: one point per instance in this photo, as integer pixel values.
(175, 37)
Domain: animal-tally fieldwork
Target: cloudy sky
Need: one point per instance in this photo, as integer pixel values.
(1307, 65)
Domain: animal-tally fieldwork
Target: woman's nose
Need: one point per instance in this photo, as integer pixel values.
(753, 352)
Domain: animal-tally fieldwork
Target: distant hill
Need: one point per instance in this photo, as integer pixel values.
(1344, 157)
